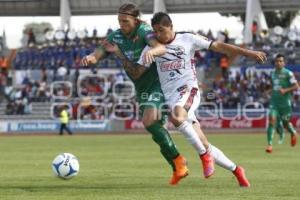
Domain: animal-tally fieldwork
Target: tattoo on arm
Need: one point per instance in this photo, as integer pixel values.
(133, 69)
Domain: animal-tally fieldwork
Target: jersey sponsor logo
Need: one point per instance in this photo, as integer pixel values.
(172, 74)
(182, 91)
(173, 79)
(171, 65)
(281, 76)
(118, 41)
(182, 88)
(153, 98)
(118, 36)
(276, 87)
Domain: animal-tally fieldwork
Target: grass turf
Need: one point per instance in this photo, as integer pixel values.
(129, 167)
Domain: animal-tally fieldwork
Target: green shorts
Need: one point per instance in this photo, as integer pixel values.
(153, 98)
(283, 112)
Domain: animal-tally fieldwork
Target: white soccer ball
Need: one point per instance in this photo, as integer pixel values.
(65, 166)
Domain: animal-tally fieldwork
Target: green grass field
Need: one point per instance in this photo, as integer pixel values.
(129, 167)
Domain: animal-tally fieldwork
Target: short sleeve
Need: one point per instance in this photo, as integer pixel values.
(292, 78)
(146, 32)
(200, 42)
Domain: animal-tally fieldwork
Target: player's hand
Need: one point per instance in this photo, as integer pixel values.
(87, 60)
(259, 56)
(282, 91)
(110, 47)
(148, 57)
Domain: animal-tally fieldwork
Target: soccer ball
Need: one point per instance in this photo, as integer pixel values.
(65, 166)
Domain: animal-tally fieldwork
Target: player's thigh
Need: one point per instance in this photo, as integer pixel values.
(185, 103)
(273, 115)
(152, 108)
(285, 114)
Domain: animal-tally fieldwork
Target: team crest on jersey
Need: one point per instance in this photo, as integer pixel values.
(171, 65)
(178, 50)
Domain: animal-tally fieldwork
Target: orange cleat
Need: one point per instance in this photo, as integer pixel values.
(293, 140)
(181, 170)
(207, 164)
(239, 173)
(269, 149)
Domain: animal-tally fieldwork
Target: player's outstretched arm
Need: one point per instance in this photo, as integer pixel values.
(134, 70)
(93, 58)
(231, 51)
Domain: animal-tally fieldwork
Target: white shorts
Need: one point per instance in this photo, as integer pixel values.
(187, 97)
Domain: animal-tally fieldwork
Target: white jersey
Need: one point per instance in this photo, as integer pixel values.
(176, 68)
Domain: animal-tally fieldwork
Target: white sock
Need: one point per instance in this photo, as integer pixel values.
(192, 137)
(221, 159)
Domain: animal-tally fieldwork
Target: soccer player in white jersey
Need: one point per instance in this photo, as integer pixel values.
(179, 84)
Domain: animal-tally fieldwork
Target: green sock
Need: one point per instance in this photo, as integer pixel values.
(279, 130)
(270, 132)
(291, 128)
(161, 137)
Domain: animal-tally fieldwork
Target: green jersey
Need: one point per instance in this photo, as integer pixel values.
(132, 48)
(283, 78)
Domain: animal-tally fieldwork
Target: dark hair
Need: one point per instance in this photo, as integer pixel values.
(129, 9)
(161, 18)
(279, 56)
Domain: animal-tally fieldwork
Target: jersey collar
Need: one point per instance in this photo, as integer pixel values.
(133, 33)
(172, 39)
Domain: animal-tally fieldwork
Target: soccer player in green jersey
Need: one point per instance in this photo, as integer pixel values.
(283, 84)
(131, 38)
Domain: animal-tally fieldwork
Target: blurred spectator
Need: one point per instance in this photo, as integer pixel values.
(3, 83)
(224, 64)
(95, 33)
(254, 31)
(3, 62)
(31, 37)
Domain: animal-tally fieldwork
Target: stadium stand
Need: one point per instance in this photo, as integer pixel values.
(59, 61)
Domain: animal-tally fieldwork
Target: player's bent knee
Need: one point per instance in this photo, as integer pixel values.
(148, 121)
(272, 121)
(177, 120)
(150, 116)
